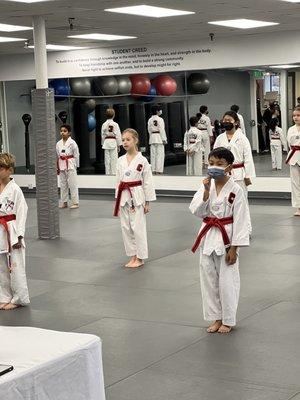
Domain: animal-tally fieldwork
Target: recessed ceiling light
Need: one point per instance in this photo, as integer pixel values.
(243, 23)
(100, 36)
(149, 11)
(59, 47)
(14, 28)
(28, 1)
(292, 1)
(11, 39)
(284, 66)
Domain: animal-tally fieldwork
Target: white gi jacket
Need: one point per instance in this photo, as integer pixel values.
(293, 139)
(204, 125)
(12, 201)
(193, 140)
(110, 128)
(239, 145)
(67, 149)
(230, 202)
(242, 123)
(277, 138)
(156, 130)
(138, 170)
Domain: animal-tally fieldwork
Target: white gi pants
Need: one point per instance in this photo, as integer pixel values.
(157, 157)
(245, 190)
(206, 140)
(110, 160)
(133, 225)
(194, 164)
(295, 180)
(13, 286)
(220, 288)
(276, 154)
(68, 180)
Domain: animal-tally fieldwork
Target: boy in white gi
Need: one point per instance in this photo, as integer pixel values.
(236, 109)
(193, 147)
(67, 164)
(157, 140)
(293, 159)
(277, 141)
(111, 142)
(205, 127)
(134, 191)
(222, 205)
(13, 213)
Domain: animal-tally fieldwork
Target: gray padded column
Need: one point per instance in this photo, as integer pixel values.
(43, 111)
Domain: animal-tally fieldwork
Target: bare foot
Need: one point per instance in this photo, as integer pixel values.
(2, 305)
(137, 263)
(73, 206)
(225, 329)
(64, 205)
(131, 261)
(11, 306)
(214, 327)
(297, 213)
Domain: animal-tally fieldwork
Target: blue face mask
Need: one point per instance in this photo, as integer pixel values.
(216, 172)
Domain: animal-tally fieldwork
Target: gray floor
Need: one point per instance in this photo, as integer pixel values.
(154, 339)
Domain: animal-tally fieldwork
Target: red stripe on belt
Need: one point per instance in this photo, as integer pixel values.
(66, 159)
(236, 166)
(4, 219)
(213, 222)
(293, 151)
(125, 186)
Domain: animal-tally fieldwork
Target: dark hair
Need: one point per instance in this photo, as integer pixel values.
(222, 152)
(199, 115)
(155, 109)
(203, 109)
(297, 108)
(233, 115)
(273, 124)
(235, 108)
(67, 127)
(298, 99)
(194, 121)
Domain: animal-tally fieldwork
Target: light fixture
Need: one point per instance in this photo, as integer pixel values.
(292, 1)
(27, 1)
(101, 36)
(149, 11)
(4, 39)
(284, 66)
(59, 47)
(14, 28)
(243, 23)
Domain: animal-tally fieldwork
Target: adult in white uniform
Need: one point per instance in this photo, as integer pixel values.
(277, 142)
(67, 163)
(157, 140)
(221, 203)
(193, 147)
(293, 159)
(134, 191)
(111, 142)
(13, 213)
(204, 125)
(236, 109)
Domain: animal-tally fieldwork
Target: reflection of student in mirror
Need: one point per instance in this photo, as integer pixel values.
(157, 140)
(194, 147)
(293, 159)
(204, 125)
(111, 142)
(277, 141)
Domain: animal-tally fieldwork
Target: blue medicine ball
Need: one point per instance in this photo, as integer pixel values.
(151, 94)
(61, 88)
(91, 122)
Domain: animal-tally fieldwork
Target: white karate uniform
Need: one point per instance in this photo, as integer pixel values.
(13, 286)
(133, 222)
(110, 145)
(205, 127)
(277, 141)
(293, 139)
(220, 282)
(242, 123)
(194, 142)
(68, 170)
(157, 139)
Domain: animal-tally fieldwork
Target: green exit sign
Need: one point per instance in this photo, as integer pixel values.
(258, 74)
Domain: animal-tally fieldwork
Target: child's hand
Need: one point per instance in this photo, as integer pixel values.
(231, 256)
(247, 181)
(146, 208)
(207, 182)
(19, 244)
(164, 142)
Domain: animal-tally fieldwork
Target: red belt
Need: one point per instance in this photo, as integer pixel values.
(293, 151)
(202, 129)
(4, 219)
(66, 159)
(236, 166)
(156, 132)
(216, 223)
(110, 137)
(192, 141)
(275, 138)
(125, 186)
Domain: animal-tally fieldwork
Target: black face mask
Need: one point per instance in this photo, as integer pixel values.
(228, 126)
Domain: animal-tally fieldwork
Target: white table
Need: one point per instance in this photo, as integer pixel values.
(50, 365)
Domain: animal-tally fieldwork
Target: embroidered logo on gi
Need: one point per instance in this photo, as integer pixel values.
(297, 137)
(9, 205)
(127, 173)
(231, 198)
(139, 167)
(155, 123)
(110, 128)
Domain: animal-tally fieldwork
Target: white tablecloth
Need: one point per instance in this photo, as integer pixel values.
(50, 365)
